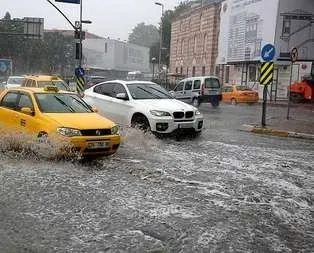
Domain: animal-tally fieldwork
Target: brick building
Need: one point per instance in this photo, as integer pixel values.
(194, 40)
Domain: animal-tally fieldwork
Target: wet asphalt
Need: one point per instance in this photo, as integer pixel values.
(225, 191)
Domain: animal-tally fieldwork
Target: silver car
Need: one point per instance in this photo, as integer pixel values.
(197, 90)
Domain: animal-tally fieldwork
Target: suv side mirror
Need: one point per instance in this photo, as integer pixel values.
(122, 96)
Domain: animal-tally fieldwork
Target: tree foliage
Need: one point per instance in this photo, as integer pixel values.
(54, 54)
(144, 35)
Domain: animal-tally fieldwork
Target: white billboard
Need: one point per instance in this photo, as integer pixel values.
(245, 27)
(295, 29)
(110, 54)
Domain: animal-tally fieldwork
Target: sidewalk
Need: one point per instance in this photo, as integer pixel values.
(299, 125)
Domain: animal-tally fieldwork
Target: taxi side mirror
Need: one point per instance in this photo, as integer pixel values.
(27, 110)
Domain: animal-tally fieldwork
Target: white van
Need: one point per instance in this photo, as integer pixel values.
(199, 89)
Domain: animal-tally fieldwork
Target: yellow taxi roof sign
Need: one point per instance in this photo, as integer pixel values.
(51, 88)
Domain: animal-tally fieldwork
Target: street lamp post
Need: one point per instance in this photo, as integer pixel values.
(160, 46)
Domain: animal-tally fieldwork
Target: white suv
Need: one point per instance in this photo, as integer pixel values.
(146, 104)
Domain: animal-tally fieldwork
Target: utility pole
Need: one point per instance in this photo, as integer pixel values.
(160, 48)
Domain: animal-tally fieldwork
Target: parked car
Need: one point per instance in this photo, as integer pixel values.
(144, 104)
(239, 94)
(197, 90)
(2, 87)
(41, 81)
(14, 81)
(92, 80)
(50, 112)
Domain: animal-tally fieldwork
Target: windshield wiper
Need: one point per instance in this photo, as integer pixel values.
(80, 102)
(167, 95)
(156, 96)
(64, 104)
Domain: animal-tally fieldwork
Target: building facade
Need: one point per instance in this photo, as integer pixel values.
(194, 41)
(246, 26)
(117, 57)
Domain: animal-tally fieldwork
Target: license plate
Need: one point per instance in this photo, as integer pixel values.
(185, 125)
(98, 144)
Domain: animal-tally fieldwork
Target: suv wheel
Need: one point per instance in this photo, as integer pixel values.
(141, 122)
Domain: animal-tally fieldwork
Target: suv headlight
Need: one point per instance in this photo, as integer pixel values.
(159, 113)
(69, 132)
(115, 130)
(197, 112)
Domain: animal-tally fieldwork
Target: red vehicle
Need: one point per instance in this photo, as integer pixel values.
(302, 91)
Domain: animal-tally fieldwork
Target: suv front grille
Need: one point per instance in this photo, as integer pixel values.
(189, 114)
(178, 115)
(96, 132)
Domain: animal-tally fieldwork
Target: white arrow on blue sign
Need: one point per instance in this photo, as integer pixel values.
(268, 52)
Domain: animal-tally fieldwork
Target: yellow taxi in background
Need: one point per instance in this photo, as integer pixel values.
(41, 81)
(239, 94)
(53, 113)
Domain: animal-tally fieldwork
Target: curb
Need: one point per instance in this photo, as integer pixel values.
(275, 132)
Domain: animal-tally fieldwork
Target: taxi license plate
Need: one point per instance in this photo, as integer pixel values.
(97, 144)
(185, 125)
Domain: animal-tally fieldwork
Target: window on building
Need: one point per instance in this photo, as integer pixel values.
(187, 71)
(181, 70)
(252, 73)
(176, 70)
(286, 26)
(195, 44)
(106, 47)
(182, 47)
(193, 71)
(203, 71)
(178, 47)
(205, 43)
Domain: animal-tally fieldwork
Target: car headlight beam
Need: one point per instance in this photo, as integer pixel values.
(159, 113)
(69, 132)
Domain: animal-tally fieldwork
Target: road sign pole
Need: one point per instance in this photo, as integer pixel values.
(294, 57)
(264, 106)
(289, 90)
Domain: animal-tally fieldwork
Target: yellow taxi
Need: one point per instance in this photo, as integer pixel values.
(49, 112)
(239, 94)
(41, 81)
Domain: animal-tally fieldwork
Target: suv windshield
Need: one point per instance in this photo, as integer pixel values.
(61, 103)
(148, 91)
(60, 84)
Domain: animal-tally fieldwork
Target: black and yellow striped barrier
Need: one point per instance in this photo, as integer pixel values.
(267, 73)
(80, 83)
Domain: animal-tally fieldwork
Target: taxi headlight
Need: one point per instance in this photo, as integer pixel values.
(69, 132)
(115, 130)
(159, 113)
(197, 112)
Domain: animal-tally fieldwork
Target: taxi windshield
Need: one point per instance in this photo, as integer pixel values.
(61, 103)
(60, 84)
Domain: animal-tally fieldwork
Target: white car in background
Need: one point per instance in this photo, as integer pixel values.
(14, 81)
(143, 104)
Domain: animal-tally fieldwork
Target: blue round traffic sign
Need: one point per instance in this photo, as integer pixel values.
(79, 72)
(268, 52)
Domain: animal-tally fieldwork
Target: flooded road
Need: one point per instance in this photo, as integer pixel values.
(226, 191)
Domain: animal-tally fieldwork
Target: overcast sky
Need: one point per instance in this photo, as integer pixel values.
(111, 18)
